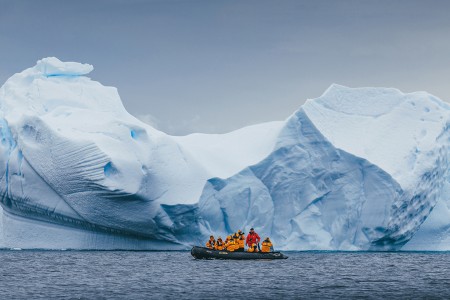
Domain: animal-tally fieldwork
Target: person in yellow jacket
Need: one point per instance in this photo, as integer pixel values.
(231, 245)
(236, 244)
(211, 242)
(227, 240)
(241, 241)
(236, 236)
(253, 248)
(266, 245)
(219, 244)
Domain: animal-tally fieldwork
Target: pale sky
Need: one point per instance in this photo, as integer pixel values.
(214, 66)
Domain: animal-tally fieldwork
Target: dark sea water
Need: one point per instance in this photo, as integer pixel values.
(176, 275)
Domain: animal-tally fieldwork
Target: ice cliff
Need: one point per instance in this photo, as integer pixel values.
(354, 169)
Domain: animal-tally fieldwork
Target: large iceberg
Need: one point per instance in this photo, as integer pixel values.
(355, 169)
(78, 171)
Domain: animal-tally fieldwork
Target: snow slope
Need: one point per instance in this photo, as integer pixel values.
(393, 130)
(355, 169)
(223, 155)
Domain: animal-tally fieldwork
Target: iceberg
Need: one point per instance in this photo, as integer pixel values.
(355, 169)
(78, 171)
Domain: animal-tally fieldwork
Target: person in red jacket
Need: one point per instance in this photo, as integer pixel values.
(252, 238)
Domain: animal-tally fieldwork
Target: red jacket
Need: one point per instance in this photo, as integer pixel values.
(252, 239)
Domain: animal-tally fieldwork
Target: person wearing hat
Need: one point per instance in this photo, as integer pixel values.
(225, 243)
(235, 236)
(241, 241)
(231, 245)
(211, 242)
(266, 245)
(219, 244)
(252, 238)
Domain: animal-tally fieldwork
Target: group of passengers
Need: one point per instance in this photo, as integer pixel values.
(236, 242)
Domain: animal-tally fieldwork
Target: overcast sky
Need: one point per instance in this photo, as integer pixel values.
(215, 66)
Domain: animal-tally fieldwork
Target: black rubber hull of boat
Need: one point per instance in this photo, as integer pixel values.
(205, 253)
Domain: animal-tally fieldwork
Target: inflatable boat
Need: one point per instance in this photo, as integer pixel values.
(205, 253)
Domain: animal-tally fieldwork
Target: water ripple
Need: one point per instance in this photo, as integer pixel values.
(168, 275)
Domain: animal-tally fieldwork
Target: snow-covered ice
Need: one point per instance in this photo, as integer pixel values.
(72, 155)
(354, 169)
(349, 172)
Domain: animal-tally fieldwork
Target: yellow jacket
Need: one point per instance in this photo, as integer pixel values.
(236, 245)
(210, 244)
(231, 246)
(219, 245)
(266, 246)
(241, 242)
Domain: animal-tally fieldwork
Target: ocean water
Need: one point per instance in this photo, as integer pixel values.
(176, 275)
